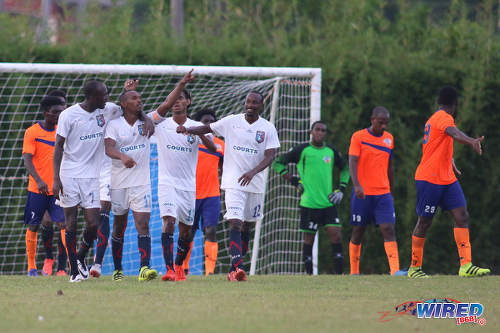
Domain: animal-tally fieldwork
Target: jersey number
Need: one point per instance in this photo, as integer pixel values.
(427, 131)
(430, 209)
(256, 211)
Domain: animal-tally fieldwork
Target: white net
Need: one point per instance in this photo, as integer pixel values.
(21, 90)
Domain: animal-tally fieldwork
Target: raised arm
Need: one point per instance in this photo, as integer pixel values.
(43, 188)
(353, 169)
(463, 138)
(172, 97)
(58, 154)
(269, 155)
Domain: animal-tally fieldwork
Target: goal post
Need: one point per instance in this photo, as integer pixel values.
(292, 103)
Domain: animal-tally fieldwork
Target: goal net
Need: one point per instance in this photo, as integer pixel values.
(292, 102)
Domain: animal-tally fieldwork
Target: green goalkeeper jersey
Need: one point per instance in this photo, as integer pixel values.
(315, 167)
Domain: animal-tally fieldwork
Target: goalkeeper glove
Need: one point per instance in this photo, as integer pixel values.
(297, 182)
(336, 196)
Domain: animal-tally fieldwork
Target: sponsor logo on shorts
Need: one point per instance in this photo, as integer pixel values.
(260, 136)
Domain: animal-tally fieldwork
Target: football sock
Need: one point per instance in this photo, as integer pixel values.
(354, 257)
(235, 249)
(144, 244)
(391, 249)
(463, 245)
(71, 247)
(47, 238)
(337, 257)
(116, 249)
(182, 250)
(211, 250)
(417, 251)
(87, 241)
(62, 255)
(185, 264)
(308, 261)
(245, 239)
(31, 239)
(167, 242)
(102, 238)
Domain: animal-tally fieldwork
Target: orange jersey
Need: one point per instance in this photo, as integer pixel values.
(374, 153)
(207, 171)
(40, 142)
(437, 151)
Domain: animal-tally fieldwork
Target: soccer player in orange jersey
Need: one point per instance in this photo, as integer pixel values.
(207, 208)
(40, 209)
(437, 185)
(370, 164)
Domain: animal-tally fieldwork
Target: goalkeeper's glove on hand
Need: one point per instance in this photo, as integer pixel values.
(336, 196)
(298, 184)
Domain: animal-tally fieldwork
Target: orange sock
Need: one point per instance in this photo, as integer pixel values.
(63, 239)
(463, 245)
(417, 251)
(31, 238)
(354, 255)
(185, 264)
(391, 249)
(211, 250)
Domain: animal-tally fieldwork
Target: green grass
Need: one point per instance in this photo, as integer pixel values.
(263, 304)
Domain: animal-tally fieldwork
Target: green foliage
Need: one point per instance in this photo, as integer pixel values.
(392, 53)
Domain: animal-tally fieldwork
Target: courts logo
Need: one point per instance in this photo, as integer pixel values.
(100, 120)
(260, 136)
(446, 308)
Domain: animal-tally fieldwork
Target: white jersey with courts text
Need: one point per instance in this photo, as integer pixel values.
(177, 155)
(245, 147)
(130, 141)
(84, 139)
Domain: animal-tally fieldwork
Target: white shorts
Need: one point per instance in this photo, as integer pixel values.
(137, 198)
(80, 191)
(105, 188)
(177, 203)
(244, 206)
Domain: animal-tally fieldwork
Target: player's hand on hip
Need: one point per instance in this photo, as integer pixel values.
(358, 190)
(131, 84)
(43, 188)
(336, 197)
(181, 129)
(127, 161)
(189, 77)
(246, 178)
(476, 145)
(57, 188)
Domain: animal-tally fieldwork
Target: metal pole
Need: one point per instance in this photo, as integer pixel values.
(177, 17)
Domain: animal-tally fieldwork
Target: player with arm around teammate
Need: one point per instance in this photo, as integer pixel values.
(40, 209)
(251, 145)
(372, 173)
(437, 185)
(315, 162)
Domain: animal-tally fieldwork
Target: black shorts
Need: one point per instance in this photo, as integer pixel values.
(311, 218)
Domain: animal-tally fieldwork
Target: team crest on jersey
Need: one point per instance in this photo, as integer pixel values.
(100, 120)
(260, 136)
(190, 138)
(141, 131)
(387, 142)
(327, 159)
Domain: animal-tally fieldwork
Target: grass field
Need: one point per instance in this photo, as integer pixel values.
(263, 304)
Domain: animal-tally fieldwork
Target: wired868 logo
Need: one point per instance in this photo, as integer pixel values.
(438, 308)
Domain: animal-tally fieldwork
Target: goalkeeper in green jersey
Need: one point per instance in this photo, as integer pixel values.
(315, 161)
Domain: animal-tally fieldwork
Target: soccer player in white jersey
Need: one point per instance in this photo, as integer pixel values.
(78, 154)
(105, 196)
(251, 145)
(177, 160)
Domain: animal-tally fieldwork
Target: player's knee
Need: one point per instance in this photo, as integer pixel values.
(33, 227)
(462, 219)
(210, 234)
(235, 225)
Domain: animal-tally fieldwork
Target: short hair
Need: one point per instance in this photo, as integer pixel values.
(379, 110)
(57, 93)
(186, 93)
(204, 112)
(49, 101)
(91, 87)
(317, 122)
(448, 96)
(257, 93)
(123, 96)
